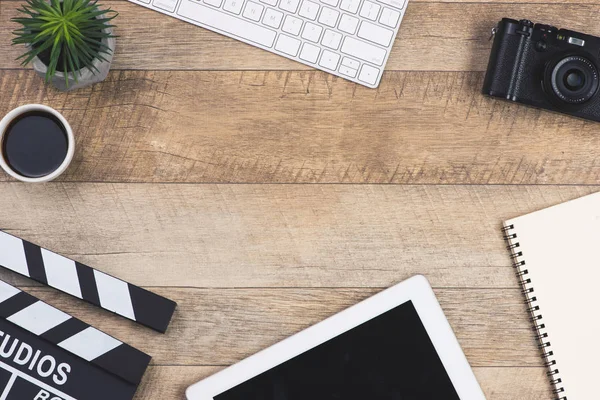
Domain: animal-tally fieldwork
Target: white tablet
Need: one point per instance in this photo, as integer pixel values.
(394, 345)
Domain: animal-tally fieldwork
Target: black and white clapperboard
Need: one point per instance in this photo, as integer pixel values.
(46, 354)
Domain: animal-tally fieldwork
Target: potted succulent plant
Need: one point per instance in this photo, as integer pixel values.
(70, 42)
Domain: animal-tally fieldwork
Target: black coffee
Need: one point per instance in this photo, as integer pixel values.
(35, 144)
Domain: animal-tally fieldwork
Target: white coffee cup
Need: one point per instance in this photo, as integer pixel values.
(17, 112)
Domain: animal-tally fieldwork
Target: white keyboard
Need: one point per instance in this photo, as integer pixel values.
(348, 38)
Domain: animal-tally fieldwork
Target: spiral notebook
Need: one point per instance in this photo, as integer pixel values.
(556, 252)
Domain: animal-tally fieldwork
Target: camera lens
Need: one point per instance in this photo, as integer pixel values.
(574, 80)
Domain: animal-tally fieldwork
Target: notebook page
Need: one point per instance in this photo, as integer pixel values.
(561, 248)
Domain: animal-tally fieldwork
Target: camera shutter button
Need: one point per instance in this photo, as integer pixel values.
(527, 23)
(541, 46)
(547, 28)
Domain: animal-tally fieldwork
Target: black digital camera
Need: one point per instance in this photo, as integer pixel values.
(542, 66)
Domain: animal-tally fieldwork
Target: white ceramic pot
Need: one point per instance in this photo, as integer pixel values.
(11, 116)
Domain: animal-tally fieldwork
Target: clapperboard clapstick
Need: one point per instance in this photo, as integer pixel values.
(85, 283)
(46, 354)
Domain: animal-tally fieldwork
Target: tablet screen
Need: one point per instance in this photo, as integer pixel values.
(390, 357)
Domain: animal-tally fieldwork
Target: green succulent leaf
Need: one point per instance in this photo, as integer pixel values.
(72, 32)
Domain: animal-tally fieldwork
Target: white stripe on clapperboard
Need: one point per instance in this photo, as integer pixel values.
(16, 373)
(12, 255)
(39, 318)
(81, 344)
(61, 273)
(114, 294)
(7, 291)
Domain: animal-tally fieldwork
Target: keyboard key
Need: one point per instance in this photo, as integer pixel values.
(292, 25)
(399, 4)
(329, 17)
(309, 10)
(363, 51)
(310, 53)
(350, 5)
(289, 5)
(253, 11)
(348, 62)
(233, 6)
(351, 72)
(227, 23)
(273, 18)
(348, 24)
(370, 10)
(288, 45)
(214, 3)
(329, 60)
(331, 39)
(375, 33)
(369, 74)
(389, 17)
(312, 32)
(167, 5)
(333, 3)
(269, 2)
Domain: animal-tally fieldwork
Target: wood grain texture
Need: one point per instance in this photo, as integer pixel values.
(497, 383)
(278, 235)
(294, 224)
(253, 264)
(435, 36)
(222, 326)
(309, 127)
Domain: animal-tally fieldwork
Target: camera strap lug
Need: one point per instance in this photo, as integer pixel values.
(494, 31)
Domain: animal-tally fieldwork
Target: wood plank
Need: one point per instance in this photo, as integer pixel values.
(497, 383)
(429, 38)
(278, 235)
(307, 127)
(222, 326)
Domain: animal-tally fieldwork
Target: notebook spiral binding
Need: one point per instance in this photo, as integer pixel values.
(536, 316)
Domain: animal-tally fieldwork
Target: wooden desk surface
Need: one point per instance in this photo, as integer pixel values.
(264, 196)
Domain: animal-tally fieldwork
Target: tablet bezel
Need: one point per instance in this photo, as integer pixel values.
(416, 289)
